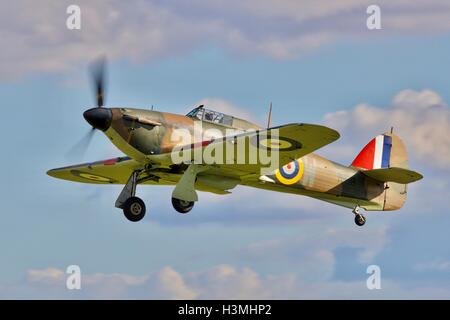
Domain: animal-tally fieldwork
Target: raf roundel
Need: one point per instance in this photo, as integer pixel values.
(92, 177)
(290, 173)
(276, 144)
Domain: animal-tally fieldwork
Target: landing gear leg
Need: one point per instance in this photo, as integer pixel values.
(360, 220)
(184, 195)
(133, 207)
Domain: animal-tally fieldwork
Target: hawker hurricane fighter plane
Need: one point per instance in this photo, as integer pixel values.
(158, 153)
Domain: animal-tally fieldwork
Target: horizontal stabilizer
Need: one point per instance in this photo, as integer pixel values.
(393, 174)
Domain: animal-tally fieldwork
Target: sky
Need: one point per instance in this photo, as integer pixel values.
(316, 61)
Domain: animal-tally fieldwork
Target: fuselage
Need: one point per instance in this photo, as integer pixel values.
(147, 136)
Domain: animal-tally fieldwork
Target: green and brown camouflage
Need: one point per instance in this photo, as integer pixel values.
(349, 186)
(146, 137)
(144, 133)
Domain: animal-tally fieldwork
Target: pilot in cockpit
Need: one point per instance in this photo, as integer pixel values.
(209, 116)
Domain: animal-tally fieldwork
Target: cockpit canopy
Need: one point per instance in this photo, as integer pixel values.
(203, 114)
(200, 113)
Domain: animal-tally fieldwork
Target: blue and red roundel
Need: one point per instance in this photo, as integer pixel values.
(290, 173)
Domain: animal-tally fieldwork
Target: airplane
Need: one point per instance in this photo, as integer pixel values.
(376, 180)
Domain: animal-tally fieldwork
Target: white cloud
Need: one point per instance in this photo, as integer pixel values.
(218, 282)
(169, 284)
(45, 275)
(36, 39)
(225, 281)
(420, 118)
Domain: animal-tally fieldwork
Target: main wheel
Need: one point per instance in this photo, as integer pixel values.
(360, 220)
(134, 209)
(182, 206)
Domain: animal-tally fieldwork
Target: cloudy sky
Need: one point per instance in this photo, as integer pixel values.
(315, 60)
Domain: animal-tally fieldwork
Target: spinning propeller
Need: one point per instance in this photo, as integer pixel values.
(99, 117)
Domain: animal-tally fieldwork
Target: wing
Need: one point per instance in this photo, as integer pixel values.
(111, 171)
(296, 140)
(286, 143)
(290, 141)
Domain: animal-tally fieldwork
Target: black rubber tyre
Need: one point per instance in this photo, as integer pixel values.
(182, 206)
(134, 209)
(360, 220)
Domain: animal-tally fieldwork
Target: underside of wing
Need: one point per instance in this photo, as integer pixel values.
(111, 171)
(118, 171)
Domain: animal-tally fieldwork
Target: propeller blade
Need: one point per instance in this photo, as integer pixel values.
(98, 72)
(79, 149)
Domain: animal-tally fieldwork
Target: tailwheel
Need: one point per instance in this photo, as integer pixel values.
(360, 220)
(182, 206)
(134, 209)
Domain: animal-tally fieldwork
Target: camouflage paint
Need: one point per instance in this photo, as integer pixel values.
(145, 136)
(328, 177)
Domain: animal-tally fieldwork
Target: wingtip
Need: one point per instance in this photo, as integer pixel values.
(51, 173)
(419, 176)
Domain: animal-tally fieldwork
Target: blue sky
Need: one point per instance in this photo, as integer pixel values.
(251, 243)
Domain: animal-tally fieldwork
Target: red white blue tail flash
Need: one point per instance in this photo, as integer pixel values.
(376, 154)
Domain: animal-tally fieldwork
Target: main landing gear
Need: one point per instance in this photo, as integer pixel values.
(182, 206)
(360, 220)
(132, 206)
(134, 209)
(183, 197)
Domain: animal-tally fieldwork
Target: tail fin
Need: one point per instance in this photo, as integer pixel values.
(376, 154)
(385, 159)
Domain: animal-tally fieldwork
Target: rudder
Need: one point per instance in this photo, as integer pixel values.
(382, 152)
